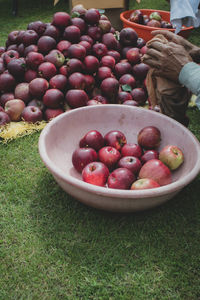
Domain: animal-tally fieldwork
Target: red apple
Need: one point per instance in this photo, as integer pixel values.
(55, 57)
(110, 41)
(17, 67)
(83, 156)
(120, 178)
(109, 156)
(110, 88)
(80, 23)
(74, 65)
(9, 55)
(123, 96)
(108, 61)
(133, 55)
(149, 154)
(130, 103)
(22, 92)
(91, 64)
(53, 98)
(131, 149)
(130, 162)
(47, 70)
(7, 82)
(77, 51)
(14, 109)
(34, 59)
(58, 81)
(77, 81)
(99, 50)
(172, 156)
(32, 114)
(139, 95)
(52, 31)
(115, 138)
(51, 113)
(45, 44)
(140, 71)
(95, 173)
(127, 79)
(76, 98)
(63, 46)
(145, 183)
(123, 67)
(29, 37)
(149, 137)
(155, 169)
(104, 72)
(92, 139)
(6, 97)
(61, 19)
(92, 16)
(154, 23)
(4, 118)
(128, 37)
(136, 16)
(38, 87)
(29, 75)
(72, 34)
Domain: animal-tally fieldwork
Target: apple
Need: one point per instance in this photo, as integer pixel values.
(51, 113)
(89, 83)
(77, 51)
(37, 26)
(140, 43)
(87, 46)
(47, 70)
(155, 169)
(52, 31)
(123, 96)
(45, 44)
(139, 95)
(29, 75)
(93, 102)
(6, 97)
(120, 178)
(115, 54)
(128, 37)
(83, 156)
(14, 109)
(115, 138)
(149, 154)
(34, 59)
(29, 37)
(32, 114)
(133, 55)
(76, 98)
(145, 183)
(92, 139)
(95, 173)
(136, 16)
(58, 81)
(91, 64)
(155, 16)
(87, 38)
(94, 32)
(110, 88)
(149, 137)
(127, 79)
(2, 109)
(37, 103)
(61, 19)
(79, 10)
(101, 99)
(22, 92)
(154, 23)
(74, 65)
(4, 118)
(108, 61)
(63, 46)
(7, 82)
(80, 23)
(38, 87)
(72, 34)
(92, 16)
(172, 156)
(99, 50)
(30, 48)
(104, 25)
(110, 41)
(55, 57)
(109, 156)
(130, 162)
(140, 71)
(53, 98)
(104, 72)
(131, 149)
(77, 81)
(122, 68)
(16, 67)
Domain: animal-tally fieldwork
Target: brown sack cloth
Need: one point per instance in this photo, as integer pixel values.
(171, 97)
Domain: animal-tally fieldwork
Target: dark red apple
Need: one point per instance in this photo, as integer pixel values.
(109, 156)
(120, 178)
(140, 71)
(139, 95)
(30, 48)
(4, 118)
(72, 34)
(7, 82)
(52, 31)
(37, 103)
(140, 43)
(155, 169)
(6, 97)
(127, 79)
(136, 16)
(104, 25)
(91, 64)
(14, 109)
(37, 26)
(22, 92)
(143, 50)
(115, 138)
(92, 16)
(149, 154)
(145, 183)
(63, 46)
(89, 83)
(34, 59)
(61, 19)
(13, 37)
(154, 23)
(83, 156)
(132, 163)
(104, 72)
(17, 67)
(92, 139)
(110, 88)
(79, 10)
(29, 37)
(87, 46)
(122, 68)
(87, 38)
(128, 37)
(32, 114)
(77, 51)
(9, 55)
(38, 87)
(115, 54)
(47, 70)
(58, 81)
(80, 23)
(29, 75)
(94, 32)
(53, 98)
(95, 173)
(131, 149)
(55, 57)
(77, 81)
(76, 98)
(133, 55)
(74, 65)
(149, 137)
(101, 99)
(108, 61)
(99, 50)
(51, 113)
(123, 96)
(110, 41)
(45, 44)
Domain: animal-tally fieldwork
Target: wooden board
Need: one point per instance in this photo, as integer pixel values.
(99, 4)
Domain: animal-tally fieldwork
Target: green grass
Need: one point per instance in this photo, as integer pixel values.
(53, 247)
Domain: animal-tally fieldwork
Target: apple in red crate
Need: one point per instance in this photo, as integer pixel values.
(131, 149)
(109, 156)
(92, 139)
(51, 113)
(14, 109)
(154, 23)
(38, 87)
(145, 183)
(155, 169)
(149, 137)
(116, 139)
(136, 16)
(120, 178)
(155, 16)
(149, 154)
(4, 118)
(76, 98)
(172, 156)
(130, 162)
(32, 114)
(83, 156)
(95, 173)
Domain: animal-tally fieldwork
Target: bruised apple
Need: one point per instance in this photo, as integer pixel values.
(172, 156)
(144, 183)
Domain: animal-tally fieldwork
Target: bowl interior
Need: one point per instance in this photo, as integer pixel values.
(61, 137)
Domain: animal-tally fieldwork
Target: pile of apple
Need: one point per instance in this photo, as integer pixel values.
(154, 19)
(110, 161)
(73, 61)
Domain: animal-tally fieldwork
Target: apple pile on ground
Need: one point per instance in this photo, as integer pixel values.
(111, 161)
(154, 19)
(73, 61)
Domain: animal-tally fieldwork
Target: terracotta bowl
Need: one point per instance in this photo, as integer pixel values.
(144, 31)
(61, 136)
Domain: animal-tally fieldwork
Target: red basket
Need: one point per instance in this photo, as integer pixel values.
(144, 31)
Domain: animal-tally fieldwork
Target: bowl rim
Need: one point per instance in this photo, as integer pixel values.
(108, 192)
(127, 22)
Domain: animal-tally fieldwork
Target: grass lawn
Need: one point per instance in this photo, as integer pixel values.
(53, 247)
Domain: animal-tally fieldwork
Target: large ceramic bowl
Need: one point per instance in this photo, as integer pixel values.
(61, 136)
(144, 31)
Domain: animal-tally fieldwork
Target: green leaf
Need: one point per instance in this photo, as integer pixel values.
(75, 14)
(126, 88)
(101, 11)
